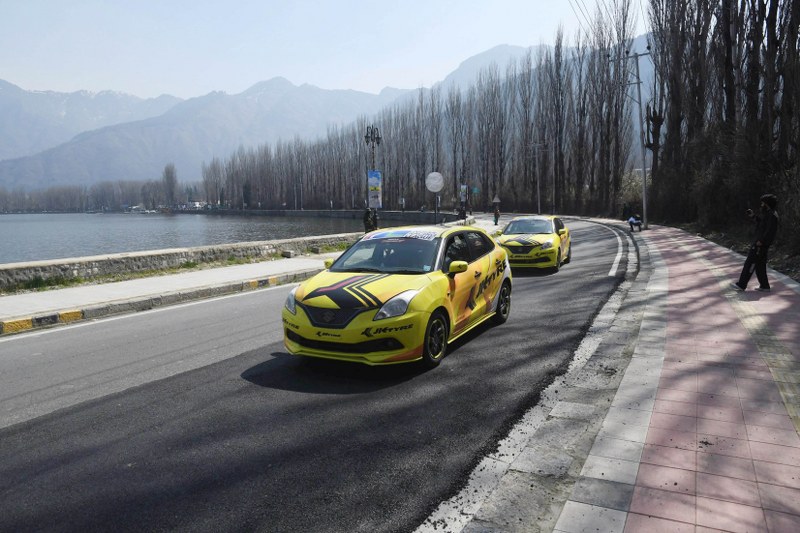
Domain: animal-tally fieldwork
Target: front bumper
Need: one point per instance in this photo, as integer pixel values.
(389, 341)
(535, 259)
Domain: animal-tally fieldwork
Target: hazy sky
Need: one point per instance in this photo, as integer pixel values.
(188, 48)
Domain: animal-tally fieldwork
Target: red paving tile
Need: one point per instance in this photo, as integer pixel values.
(781, 522)
(672, 439)
(777, 474)
(723, 445)
(726, 465)
(723, 414)
(674, 457)
(674, 422)
(758, 389)
(675, 408)
(663, 504)
(636, 523)
(774, 436)
(722, 429)
(729, 516)
(762, 451)
(774, 408)
(756, 418)
(666, 478)
(728, 489)
(783, 499)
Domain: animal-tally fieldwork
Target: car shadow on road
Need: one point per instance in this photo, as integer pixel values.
(533, 272)
(287, 372)
(283, 371)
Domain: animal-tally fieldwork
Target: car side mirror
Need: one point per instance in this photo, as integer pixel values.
(497, 233)
(562, 231)
(328, 262)
(456, 267)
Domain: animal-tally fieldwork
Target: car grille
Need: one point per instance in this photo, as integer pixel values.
(531, 261)
(375, 345)
(519, 250)
(322, 317)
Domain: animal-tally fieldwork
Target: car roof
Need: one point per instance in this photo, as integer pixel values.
(534, 217)
(420, 232)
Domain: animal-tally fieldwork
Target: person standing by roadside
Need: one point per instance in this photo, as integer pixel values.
(766, 222)
(369, 223)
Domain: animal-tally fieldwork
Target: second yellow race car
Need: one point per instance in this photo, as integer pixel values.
(540, 241)
(400, 295)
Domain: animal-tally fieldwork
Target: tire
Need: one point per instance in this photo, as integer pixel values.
(503, 304)
(557, 266)
(434, 344)
(569, 255)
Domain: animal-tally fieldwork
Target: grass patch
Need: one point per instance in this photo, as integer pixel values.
(40, 284)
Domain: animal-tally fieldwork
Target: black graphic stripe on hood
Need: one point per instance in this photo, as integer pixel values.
(350, 293)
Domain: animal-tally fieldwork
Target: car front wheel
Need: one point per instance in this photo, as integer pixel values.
(434, 345)
(503, 304)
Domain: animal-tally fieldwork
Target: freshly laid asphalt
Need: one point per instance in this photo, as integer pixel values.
(680, 411)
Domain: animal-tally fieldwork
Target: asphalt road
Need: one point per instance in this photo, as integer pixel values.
(194, 418)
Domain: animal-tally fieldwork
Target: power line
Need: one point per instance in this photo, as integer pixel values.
(578, 17)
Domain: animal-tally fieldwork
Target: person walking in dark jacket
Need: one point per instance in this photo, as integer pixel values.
(369, 221)
(766, 222)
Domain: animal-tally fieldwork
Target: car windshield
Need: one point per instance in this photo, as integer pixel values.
(393, 255)
(516, 227)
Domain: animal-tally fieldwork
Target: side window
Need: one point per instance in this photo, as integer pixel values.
(479, 245)
(456, 251)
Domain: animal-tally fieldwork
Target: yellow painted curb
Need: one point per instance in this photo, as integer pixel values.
(70, 316)
(15, 326)
(273, 280)
(253, 284)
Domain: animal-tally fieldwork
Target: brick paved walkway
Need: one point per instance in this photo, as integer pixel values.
(703, 432)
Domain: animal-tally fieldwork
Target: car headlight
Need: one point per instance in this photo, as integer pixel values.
(547, 245)
(397, 306)
(291, 303)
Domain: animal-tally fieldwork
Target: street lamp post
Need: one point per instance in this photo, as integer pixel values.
(372, 138)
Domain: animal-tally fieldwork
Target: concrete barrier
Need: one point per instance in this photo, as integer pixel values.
(18, 275)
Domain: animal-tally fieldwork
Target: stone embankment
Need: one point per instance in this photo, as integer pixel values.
(16, 275)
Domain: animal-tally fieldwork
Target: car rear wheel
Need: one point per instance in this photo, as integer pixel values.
(434, 345)
(503, 304)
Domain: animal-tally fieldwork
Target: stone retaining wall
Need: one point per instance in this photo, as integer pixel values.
(16, 274)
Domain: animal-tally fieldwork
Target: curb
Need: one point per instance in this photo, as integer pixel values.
(71, 316)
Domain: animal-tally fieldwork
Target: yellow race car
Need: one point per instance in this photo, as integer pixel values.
(541, 241)
(400, 295)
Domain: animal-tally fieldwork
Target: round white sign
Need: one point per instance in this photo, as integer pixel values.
(434, 182)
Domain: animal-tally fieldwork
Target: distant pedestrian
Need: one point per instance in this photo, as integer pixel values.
(375, 224)
(635, 221)
(369, 224)
(766, 221)
(496, 215)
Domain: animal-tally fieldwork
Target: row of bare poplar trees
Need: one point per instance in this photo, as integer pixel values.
(550, 132)
(724, 124)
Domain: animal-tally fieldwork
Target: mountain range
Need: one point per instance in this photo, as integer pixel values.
(54, 139)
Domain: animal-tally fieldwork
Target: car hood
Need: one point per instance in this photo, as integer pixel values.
(350, 290)
(525, 239)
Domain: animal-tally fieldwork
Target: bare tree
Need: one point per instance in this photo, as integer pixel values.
(169, 181)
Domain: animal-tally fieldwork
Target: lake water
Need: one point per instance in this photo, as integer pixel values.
(32, 237)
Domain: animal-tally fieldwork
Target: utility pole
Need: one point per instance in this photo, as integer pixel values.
(638, 84)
